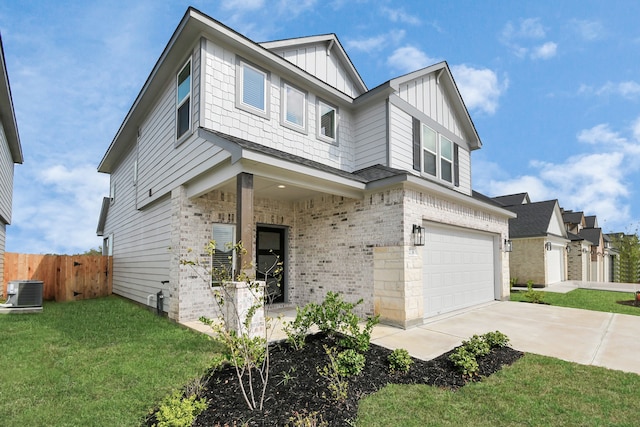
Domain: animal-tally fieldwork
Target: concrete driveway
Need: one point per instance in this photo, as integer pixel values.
(581, 336)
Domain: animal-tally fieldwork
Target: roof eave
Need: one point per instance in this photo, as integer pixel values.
(7, 112)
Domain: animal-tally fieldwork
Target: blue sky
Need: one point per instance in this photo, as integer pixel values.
(553, 88)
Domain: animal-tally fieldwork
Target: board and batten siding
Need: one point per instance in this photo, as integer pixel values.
(220, 114)
(6, 178)
(425, 94)
(313, 59)
(401, 148)
(141, 239)
(371, 135)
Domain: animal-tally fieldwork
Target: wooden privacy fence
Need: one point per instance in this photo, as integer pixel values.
(64, 277)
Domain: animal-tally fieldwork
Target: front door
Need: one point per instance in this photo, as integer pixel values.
(270, 255)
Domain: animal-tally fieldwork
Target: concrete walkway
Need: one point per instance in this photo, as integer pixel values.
(575, 335)
(581, 336)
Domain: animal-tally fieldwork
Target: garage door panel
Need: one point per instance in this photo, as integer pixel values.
(458, 269)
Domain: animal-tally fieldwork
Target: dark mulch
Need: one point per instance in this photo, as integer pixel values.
(296, 387)
(632, 303)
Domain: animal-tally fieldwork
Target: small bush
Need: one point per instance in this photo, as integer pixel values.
(465, 361)
(338, 386)
(176, 411)
(496, 339)
(350, 362)
(535, 297)
(465, 356)
(400, 360)
(298, 329)
(302, 419)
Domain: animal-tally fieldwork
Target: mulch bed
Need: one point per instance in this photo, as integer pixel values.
(296, 387)
(632, 303)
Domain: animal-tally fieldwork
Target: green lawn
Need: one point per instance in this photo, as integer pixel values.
(587, 299)
(535, 391)
(102, 362)
(107, 362)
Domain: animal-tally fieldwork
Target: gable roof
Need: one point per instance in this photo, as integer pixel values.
(591, 221)
(7, 113)
(444, 78)
(532, 220)
(512, 199)
(331, 43)
(591, 234)
(194, 25)
(570, 217)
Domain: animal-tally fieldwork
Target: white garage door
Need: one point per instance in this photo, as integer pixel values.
(555, 264)
(458, 269)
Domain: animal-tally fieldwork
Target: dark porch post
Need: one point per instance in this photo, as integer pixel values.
(245, 229)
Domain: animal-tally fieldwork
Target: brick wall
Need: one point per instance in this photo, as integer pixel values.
(527, 260)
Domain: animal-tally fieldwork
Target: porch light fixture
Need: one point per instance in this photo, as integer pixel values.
(547, 246)
(507, 245)
(568, 249)
(417, 235)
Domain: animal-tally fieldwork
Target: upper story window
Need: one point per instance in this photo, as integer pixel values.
(439, 156)
(183, 102)
(294, 103)
(327, 122)
(252, 89)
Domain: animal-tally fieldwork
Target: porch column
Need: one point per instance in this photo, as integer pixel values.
(245, 228)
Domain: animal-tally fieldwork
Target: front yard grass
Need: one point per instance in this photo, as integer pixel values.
(101, 362)
(534, 391)
(107, 362)
(588, 299)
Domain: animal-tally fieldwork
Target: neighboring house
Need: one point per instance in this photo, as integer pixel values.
(539, 240)
(281, 146)
(578, 251)
(10, 154)
(595, 248)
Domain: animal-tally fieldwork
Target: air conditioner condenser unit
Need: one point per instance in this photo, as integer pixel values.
(24, 293)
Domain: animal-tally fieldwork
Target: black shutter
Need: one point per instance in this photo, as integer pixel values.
(456, 166)
(416, 144)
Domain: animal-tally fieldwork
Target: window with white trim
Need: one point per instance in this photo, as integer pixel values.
(439, 156)
(252, 89)
(294, 107)
(327, 121)
(183, 101)
(223, 259)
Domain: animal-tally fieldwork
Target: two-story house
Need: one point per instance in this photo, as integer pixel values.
(282, 147)
(539, 240)
(10, 154)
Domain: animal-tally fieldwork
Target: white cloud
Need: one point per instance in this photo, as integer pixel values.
(480, 88)
(375, 43)
(587, 30)
(409, 58)
(544, 51)
(242, 5)
(594, 182)
(529, 28)
(628, 89)
(399, 15)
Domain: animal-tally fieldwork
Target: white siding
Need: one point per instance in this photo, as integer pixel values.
(3, 236)
(220, 113)
(328, 68)
(371, 135)
(427, 96)
(400, 139)
(141, 239)
(401, 146)
(161, 165)
(6, 178)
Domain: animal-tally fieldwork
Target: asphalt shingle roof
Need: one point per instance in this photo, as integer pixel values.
(591, 234)
(533, 219)
(572, 217)
(512, 199)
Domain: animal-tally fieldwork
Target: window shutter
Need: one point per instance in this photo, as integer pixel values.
(456, 166)
(416, 143)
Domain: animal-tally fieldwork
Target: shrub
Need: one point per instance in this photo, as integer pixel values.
(338, 386)
(176, 411)
(302, 419)
(465, 356)
(496, 339)
(350, 362)
(399, 360)
(298, 329)
(532, 296)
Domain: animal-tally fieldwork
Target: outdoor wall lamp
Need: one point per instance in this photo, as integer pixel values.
(568, 249)
(547, 246)
(507, 245)
(417, 235)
